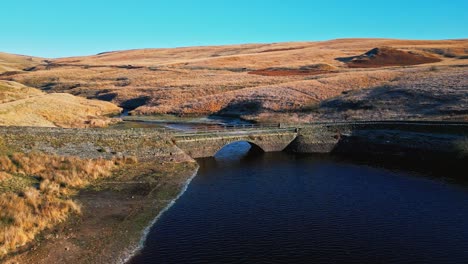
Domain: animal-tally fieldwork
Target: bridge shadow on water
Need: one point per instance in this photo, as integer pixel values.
(439, 168)
(243, 153)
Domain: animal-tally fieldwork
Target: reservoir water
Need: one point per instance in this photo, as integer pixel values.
(249, 207)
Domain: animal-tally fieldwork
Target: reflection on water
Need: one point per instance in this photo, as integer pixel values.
(246, 207)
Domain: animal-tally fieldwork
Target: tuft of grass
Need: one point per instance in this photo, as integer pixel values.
(27, 213)
(4, 176)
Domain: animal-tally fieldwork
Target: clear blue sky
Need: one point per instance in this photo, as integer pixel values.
(57, 28)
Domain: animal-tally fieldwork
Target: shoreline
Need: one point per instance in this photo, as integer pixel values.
(147, 230)
(116, 218)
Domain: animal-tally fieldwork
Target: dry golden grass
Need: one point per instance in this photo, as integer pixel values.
(258, 56)
(414, 94)
(24, 215)
(204, 80)
(11, 62)
(166, 87)
(28, 209)
(24, 106)
(278, 97)
(12, 91)
(4, 176)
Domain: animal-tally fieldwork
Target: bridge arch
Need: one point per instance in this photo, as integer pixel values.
(253, 147)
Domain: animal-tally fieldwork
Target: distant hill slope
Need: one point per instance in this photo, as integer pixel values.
(256, 56)
(11, 62)
(251, 80)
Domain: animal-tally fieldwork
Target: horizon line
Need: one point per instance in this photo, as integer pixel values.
(231, 44)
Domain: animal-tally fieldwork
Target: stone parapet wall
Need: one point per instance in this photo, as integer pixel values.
(145, 144)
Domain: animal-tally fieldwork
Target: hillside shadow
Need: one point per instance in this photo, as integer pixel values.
(106, 97)
(405, 101)
(241, 108)
(347, 59)
(134, 103)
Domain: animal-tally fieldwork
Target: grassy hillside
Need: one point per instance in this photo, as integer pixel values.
(250, 80)
(12, 91)
(11, 62)
(256, 56)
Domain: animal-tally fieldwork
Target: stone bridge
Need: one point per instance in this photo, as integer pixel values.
(390, 137)
(207, 142)
(446, 139)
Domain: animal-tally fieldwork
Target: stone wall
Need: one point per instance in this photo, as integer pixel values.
(145, 144)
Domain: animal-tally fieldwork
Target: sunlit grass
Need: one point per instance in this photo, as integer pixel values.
(25, 106)
(36, 192)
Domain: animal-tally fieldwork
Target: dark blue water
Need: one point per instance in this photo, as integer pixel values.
(285, 208)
